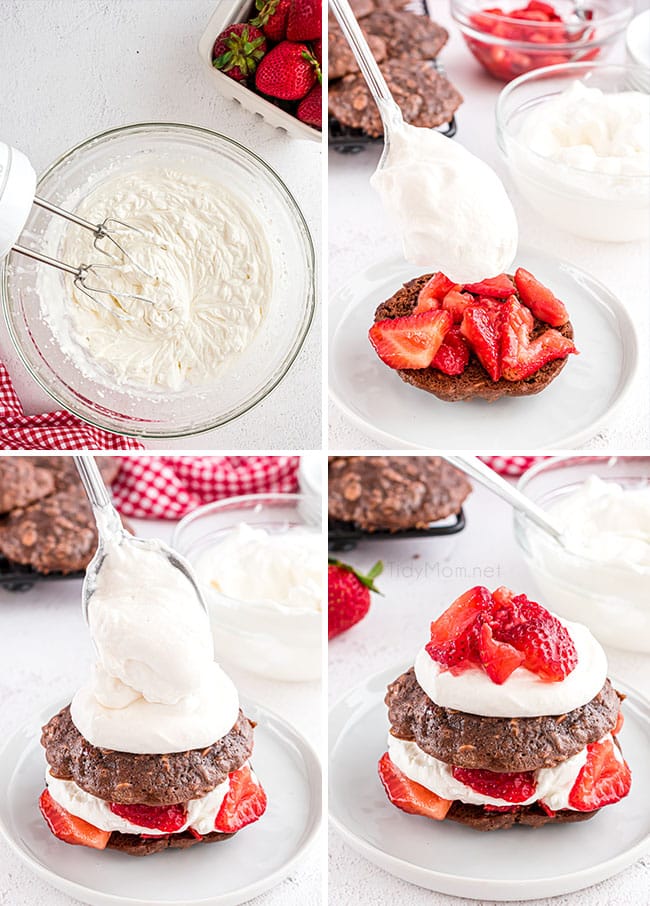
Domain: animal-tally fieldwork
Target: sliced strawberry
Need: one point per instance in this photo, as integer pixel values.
(495, 287)
(522, 357)
(501, 808)
(433, 292)
(456, 302)
(619, 724)
(602, 780)
(68, 827)
(453, 355)
(544, 807)
(411, 341)
(455, 634)
(195, 833)
(547, 647)
(540, 300)
(168, 818)
(513, 786)
(244, 803)
(481, 327)
(499, 659)
(408, 795)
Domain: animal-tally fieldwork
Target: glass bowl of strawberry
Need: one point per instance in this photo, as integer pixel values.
(511, 37)
(600, 574)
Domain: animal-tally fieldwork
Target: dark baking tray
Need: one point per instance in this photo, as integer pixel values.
(346, 140)
(16, 577)
(344, 536)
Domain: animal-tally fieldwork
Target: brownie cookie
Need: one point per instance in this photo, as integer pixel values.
(340, 58)
(407, 36)
(474, 382)
(394, 492)
(497, 743)
(531, 815)
(143, 779)
(425, 97)
(135, 845)
(64, 471)
(22, 482)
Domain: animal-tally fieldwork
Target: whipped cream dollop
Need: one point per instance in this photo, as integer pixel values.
(451, 208)
(155, 687)
(592, 130)
(256, 566)
(552, 785)
(196, 250)
(523, 694)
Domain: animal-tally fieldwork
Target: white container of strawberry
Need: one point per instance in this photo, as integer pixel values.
(267, 54)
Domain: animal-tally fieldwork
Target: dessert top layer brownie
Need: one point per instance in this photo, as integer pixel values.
(22, 482)
(394, 492)
(143, 779)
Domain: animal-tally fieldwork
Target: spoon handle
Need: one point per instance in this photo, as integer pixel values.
(106, 516)
(476, 469)
(390, 112)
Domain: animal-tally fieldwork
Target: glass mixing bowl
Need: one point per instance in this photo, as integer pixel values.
(612, 599)
(266, 637)
(246, 379)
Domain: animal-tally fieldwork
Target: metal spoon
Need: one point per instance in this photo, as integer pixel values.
(476, 469)
(111, 531)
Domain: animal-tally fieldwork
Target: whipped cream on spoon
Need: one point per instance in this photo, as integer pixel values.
(451, 208)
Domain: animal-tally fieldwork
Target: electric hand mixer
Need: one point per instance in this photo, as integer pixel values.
(17, 195)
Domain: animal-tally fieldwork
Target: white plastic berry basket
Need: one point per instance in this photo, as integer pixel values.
(227, 13)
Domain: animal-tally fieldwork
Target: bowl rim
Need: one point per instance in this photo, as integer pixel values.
(208, 508)
(539, 75)
(546, 465)
(306, 320)
(617, 21)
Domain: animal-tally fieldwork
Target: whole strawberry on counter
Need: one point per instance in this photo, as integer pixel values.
(348, 595)
(238, 50)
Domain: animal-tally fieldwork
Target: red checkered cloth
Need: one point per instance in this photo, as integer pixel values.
(50, 430)
(511, 466)
(168, 487)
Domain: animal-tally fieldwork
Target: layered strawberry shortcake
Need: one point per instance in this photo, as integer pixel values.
(507, 717)
(153, 751)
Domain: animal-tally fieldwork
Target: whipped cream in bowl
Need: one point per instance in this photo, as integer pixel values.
(217, 243)
(260, 560)
(600, 575)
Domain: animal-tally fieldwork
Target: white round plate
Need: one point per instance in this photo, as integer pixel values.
(216, 874)
(518, 864)
(567, 413)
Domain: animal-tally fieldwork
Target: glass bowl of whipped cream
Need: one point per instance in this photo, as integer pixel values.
(600, 575)
(205, 304)
(259, 560)
(576, 138)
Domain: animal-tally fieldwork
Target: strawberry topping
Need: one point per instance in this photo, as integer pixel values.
(412, 341)
(453, 355)
(244, 802)
(433, 292)
(499, 659)
(456, 302)
(522, 357)
(408, 795)
(540, 300)
(482, 328)
(68, 827)
(168, 818)
(512, 786)
(496, 287)
(602, 780)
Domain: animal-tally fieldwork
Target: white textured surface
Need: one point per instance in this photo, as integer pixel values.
(72, 68)
(392, 633)
(45, 654)
(360, 235)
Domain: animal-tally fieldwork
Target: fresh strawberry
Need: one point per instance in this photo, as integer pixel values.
(602, 780)
(513, 786)
(619, 724)
(499, 659)
(272, 18)
(310, 109)
(547, 647)
(168, 818)
(453, 355)
(456, 302)
(288, 72)
(455, 635)
(68, 827)
(501, 808)
(408, 795)
(195, 833)
(495, 287)
(522, 357)
(481, 327)
(238, 50)
(433, 292)
(540, 300)
(317, 47)
(305, 22)
(244, 802)
(348, 595)
(411, 341)
(544, 807)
